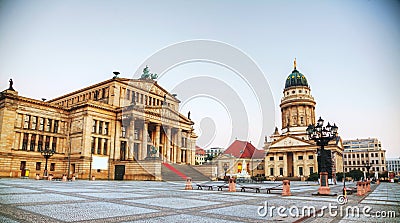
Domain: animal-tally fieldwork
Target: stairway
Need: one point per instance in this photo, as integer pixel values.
(176, 172)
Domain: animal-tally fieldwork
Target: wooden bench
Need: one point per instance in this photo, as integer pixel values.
(220, 187)
(269, 189)
(351, 190)
(200, 186)
(256, 188)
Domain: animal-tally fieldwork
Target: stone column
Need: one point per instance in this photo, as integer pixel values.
(28, 147)
(295, 167)
(131, 139)
(36, 142)
(168, 139)
(285, 165)
(179, 149)
(144, 139)
(157, 139)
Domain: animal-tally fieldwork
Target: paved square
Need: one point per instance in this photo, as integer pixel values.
(26, 200)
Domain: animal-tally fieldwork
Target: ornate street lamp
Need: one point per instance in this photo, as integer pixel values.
(368, 166)
(46, 154)
(322, 135)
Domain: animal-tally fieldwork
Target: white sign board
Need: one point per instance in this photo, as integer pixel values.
(100, 162)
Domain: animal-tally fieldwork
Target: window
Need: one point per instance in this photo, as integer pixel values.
(106, 128)
(345, 156)
(366, 155)
(271, 171)
(41, 124)
(372, 155)
(372, 162)
(128, 94)
(93, 144)
(383, 162)
(271, 158)
(310, 157)
(25, 141)
(123, 150)
(362, 155)
(376, 154)
(302, 120)
(40, 143)
(300, 157)
(34, 122)
(136, 134)
(54, 144)
(105, 147)
(281, 171)
(38, 165)
(48, 125)
(311, 169)
(27, 119)
(353, 155)
(123, 132)
(300, 170)
(47, 143)
(377, 168)
(358, 162)
(33, 141)
(52, 167)
(281, 158)
(345, 162)
(98, 145)
(55, 130)
(94, 126)
(358, 155)
(100, 127)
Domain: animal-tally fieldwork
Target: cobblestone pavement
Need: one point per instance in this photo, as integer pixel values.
(25, 200)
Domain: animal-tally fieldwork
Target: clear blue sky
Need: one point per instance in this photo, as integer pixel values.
(348, 50)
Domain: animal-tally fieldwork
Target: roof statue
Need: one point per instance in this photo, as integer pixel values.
(147, 75)
(11, 85)
(295, 65)
(189, 115)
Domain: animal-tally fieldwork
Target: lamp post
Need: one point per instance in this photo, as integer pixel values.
(322, 135)
(225, 169)
(46, 154)
(368, 166)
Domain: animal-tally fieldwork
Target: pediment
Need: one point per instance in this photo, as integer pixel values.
(289, 141)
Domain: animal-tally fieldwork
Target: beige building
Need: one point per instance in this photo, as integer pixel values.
(362, 153)
(117, 129)
(291, 153)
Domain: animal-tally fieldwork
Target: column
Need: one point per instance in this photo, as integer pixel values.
(131, 135)
(144, 139)
(36, 142)
(179, 148)
(28, 147)
(168, 140)
(276, 167)
(285, 166)
(157, 139)
(295, 167)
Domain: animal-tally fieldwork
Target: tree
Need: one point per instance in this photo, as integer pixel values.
(313, 177)
(355, 174)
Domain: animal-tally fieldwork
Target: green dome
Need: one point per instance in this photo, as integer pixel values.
(296, 79)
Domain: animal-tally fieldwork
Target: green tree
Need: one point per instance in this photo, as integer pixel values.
(313, 177)
(355, 174)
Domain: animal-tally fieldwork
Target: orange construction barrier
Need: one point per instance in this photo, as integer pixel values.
(286, 188)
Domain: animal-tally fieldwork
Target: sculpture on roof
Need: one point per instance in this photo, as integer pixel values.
(147, 75)
(11, 85)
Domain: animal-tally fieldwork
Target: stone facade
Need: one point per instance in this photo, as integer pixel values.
(132, 124)
(291, 153)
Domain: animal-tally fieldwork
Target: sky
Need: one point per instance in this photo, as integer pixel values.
(348, 50)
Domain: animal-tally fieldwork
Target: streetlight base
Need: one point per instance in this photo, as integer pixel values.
(324, 186)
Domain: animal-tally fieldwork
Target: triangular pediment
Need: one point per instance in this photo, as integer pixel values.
(289, 141)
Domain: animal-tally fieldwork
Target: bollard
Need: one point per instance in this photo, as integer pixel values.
(188, 184)
(50, 177)
(37, 177)
(64, 178)
(73, 178)
(369, 186)
(359, 189)
(93, 178)
(232, 185)
(286, 188)
(377, 181)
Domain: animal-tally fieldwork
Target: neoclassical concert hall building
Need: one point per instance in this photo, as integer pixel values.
(118, 129)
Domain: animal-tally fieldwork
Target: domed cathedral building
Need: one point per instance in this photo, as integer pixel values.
(290, 153)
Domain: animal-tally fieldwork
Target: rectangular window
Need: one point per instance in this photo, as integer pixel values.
(123, 132)
(54, 144)
(271, 171)
(300, 170)
(40, 143)
(128, 94)
(100, 127)
(377, 168)
(136, 134)
(41, 124)
(372, 162)
(25, 141)
(106, 124)
(98, 145)
(362, 155)
(94, 126)
(358, 155)
(38, 165)
(123, 150)
(281, 171)
(33, 142)
(376, 154)
(300, 157)
(93, 144)
(52, 167)
(48, 125)
(310, 157)
(27, 119)
(105, 147)
(281, 158)
(354, 156)
(366, 155)
(345, 156)
(372, 155)
(34, 122)
(47, 143)
(55, 129)
(271, 158)
(311, 169)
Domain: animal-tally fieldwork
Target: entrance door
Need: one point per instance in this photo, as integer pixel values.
(290, 168)
(119, 172)
(22, 168)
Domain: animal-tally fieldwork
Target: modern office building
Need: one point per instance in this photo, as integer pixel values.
(118, 129)
(364, 155)
(393, 165)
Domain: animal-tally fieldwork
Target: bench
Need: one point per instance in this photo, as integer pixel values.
(351, 190)
(256, 188)
(220, 187)
(269, 189)
(200, 186)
